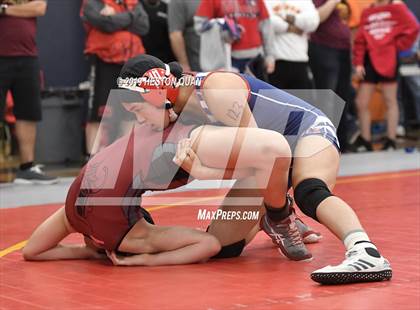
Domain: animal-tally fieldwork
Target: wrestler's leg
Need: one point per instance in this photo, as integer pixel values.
(315, 169)
(268, 153)
(265, 151)
(45, 242)
(234, 234)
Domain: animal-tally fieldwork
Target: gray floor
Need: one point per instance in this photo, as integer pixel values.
(12, 195)
(364, 163)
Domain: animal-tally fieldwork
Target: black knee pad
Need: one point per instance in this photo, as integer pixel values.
(309, 194)
(231, 250)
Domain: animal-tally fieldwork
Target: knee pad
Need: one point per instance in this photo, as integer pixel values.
(309, 194)
(231, 250)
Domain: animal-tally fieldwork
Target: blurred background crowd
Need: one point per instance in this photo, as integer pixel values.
(60, 59)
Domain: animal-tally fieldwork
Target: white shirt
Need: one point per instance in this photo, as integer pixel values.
(290, 46)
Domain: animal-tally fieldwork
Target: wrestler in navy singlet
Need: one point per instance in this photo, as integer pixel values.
(277, 110)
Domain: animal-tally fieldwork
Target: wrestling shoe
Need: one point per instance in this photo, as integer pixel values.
(363, 263)
(307, 233)
(286, 236)
(34, 175)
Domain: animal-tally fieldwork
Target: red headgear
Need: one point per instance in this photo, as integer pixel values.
(158, 85)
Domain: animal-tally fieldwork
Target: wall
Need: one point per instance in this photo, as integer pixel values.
(61, 41)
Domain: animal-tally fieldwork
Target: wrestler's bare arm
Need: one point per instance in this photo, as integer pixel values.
(188, 160)
(226, 95)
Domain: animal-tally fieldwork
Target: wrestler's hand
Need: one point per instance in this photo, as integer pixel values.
(187, 159)
(132, 260)
(180, 152)
(116, 260)
(93, 250)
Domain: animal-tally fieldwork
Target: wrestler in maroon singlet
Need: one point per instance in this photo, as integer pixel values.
(103, 203)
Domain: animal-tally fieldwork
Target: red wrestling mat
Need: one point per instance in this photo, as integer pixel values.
(388, 205)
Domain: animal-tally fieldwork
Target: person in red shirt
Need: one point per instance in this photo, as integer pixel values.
(113, 30)
(385, 28)
(253, 18)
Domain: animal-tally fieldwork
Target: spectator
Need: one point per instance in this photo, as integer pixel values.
(114, 28)
(185, 41)
(292, 21)
(252, 16)
(409, 85)
(156, 41)
(20, 73)
(385, 29)
(329, 59)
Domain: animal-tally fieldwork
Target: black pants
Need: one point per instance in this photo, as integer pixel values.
(291, 75)
(103, 78)
(21, 76)
(331, 69)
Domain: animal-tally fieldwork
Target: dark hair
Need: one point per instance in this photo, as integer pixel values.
(136, 67)
(176, 69)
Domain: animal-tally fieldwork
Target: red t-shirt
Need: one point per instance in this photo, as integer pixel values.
(17, 36)
(384, 30)
(115, 47)
(247, 13)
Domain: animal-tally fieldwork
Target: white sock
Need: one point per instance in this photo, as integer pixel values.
(353, 237)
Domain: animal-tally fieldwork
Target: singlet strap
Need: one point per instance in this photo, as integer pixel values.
(199, 78)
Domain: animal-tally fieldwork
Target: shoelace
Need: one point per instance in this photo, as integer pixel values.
(293, 232)
(296, 236)
(37, 169)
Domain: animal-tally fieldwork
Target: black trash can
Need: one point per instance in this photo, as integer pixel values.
(60, 134)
